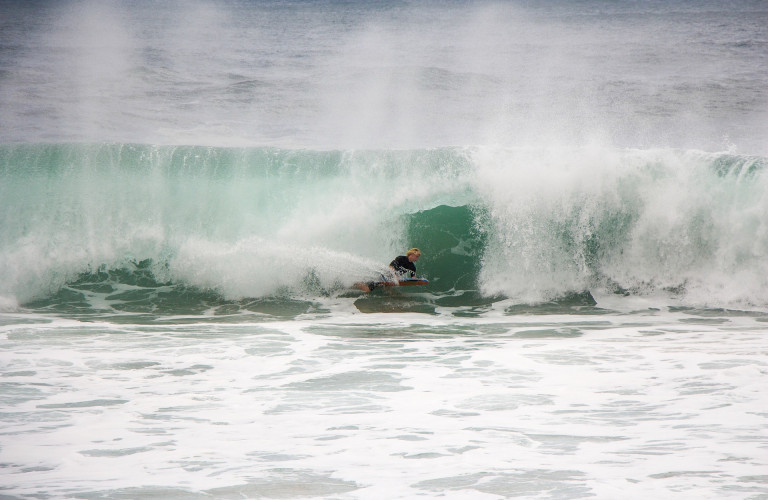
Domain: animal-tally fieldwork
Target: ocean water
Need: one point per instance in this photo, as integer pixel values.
(190, 190)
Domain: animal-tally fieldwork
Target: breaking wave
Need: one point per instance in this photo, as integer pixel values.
(239, 224)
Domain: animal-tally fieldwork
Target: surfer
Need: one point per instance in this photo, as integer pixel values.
(404, 264)
(401, 266)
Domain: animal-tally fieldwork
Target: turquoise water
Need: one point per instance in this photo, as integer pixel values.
(190, 191)
(185, 226)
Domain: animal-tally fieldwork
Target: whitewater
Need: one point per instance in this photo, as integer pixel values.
(190, 191)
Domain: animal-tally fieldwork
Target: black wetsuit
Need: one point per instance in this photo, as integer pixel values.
(402, 265)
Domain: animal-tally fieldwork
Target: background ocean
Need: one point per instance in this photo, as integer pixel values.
(189, 191)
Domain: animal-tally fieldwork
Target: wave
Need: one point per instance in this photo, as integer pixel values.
(244, 224)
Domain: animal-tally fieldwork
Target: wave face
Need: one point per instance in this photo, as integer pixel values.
(232, 224)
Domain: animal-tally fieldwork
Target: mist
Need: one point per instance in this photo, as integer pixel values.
(396, 75)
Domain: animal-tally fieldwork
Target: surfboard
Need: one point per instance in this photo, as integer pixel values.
(413, 281)
(405, 282)
(367, 287)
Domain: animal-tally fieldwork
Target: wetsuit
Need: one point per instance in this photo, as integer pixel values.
(402, 265)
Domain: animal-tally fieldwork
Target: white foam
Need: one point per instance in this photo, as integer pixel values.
(650, 402)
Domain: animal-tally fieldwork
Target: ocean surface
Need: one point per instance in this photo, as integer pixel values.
(190, 190)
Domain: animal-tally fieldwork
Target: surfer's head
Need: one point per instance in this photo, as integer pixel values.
(413, 254)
